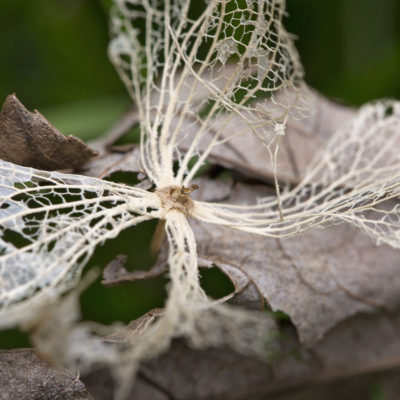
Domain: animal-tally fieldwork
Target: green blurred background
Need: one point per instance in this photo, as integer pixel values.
(54, 57)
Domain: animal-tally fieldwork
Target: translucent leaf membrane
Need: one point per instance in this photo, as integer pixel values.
(50, 223)
(355, 178)
(183, 70)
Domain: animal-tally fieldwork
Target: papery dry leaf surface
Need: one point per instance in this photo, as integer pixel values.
(302, 140)
(26, 376)
(318, 278)
(360, 349)
(109, 162)
(28, 139)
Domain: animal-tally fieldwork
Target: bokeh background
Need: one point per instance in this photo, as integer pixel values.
(54, 57)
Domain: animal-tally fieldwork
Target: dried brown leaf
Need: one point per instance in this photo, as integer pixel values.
(109, 162)
(116, 274)
(123, 125)
(28, 139)
(302, 139)
(246, 154)
(318, 278)
(361, 347)
(244, 293)
(102, 385)
(135, 327)
(26, 376)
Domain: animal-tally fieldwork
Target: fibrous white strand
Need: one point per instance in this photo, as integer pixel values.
(50, 224)
(355, 178)
(220, 62)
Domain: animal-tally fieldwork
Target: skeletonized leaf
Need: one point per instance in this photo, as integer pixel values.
(50, 223)
(319, 278)
(352, 179)
(29, 139)
(115, 272)
(173, 64)
(245, 152)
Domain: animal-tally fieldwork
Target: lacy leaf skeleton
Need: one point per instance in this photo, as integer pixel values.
(192, 77)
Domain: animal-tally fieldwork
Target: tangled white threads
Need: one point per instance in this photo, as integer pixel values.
(186, 74)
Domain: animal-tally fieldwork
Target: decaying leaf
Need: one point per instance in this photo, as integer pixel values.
(352, 179)
(174, 68)
(318, 278)
(136, 327)
(115, 273)
(102, 386)
(118, 130)
(109, 162)
(302, 140)
(28, 139)
(342, 365)
(26, 376)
